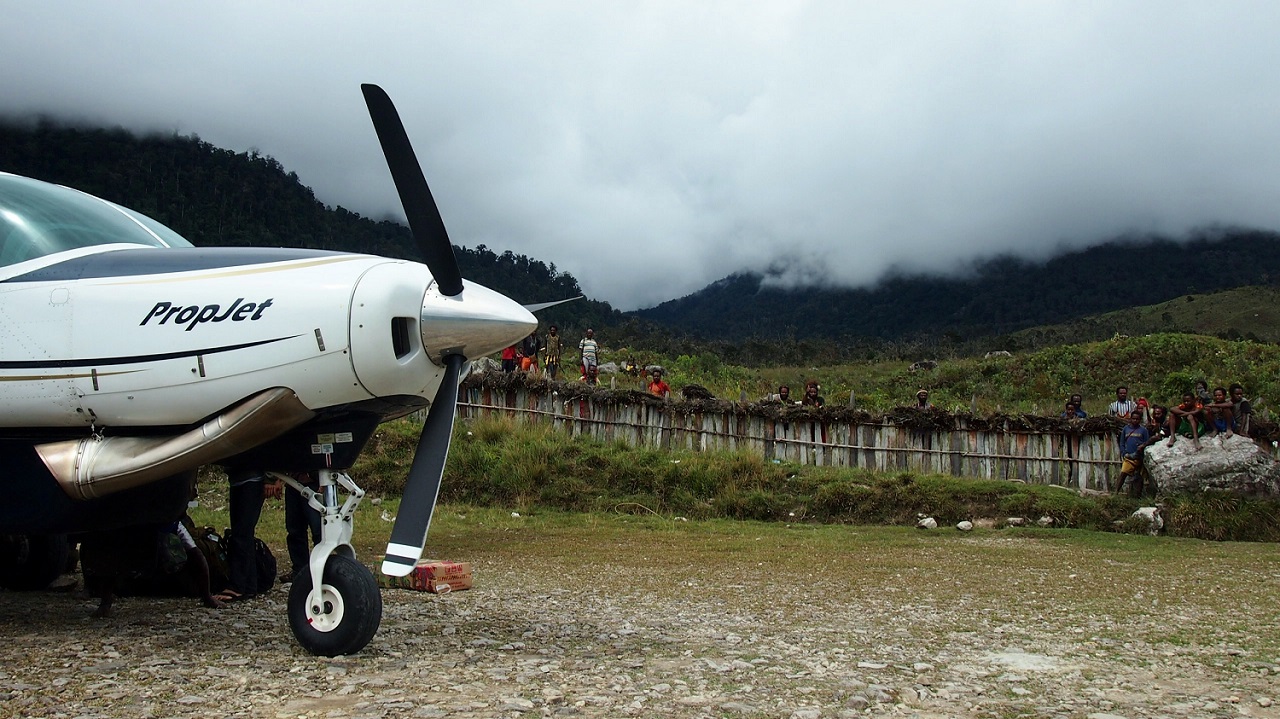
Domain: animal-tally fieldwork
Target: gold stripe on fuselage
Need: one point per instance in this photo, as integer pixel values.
(45, 377)
(186, 275)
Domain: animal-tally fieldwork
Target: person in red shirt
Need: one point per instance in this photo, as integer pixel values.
(657, 386)
(1188, 419)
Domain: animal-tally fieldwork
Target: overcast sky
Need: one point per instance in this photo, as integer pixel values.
(651, 148)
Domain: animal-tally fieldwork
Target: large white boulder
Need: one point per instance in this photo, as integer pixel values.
(1235, 464)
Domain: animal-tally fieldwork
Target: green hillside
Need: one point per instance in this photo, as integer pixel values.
(1242, 313)
(1158, 366)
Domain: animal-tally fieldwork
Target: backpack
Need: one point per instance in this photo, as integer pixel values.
(213, 547)
(267, 565)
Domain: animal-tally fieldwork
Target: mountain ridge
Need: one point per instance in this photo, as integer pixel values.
(1003, 295)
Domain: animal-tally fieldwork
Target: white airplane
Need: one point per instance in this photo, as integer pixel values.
(129, 358)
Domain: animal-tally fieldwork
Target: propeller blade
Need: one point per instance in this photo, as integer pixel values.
(543, 305)
(419, 206)
(409, 534)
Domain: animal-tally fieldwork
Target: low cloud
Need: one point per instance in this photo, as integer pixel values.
(651, 149)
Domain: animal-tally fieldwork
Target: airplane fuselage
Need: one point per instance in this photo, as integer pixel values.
(153, 337)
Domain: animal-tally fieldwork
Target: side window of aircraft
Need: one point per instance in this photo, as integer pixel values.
(39, 219)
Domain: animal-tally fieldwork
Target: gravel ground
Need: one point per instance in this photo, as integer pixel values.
(652, 624)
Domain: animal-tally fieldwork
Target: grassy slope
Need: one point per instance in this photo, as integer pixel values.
(1243, 312)
(1035, 380)
(1159, 366)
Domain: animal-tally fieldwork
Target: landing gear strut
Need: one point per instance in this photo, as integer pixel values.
(334, 608)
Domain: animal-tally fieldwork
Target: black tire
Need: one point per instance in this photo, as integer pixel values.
(352, 611)
(32, 561)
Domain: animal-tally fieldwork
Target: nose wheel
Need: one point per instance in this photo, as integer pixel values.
(343, 616)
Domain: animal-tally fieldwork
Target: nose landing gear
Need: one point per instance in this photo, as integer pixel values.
(336, 607)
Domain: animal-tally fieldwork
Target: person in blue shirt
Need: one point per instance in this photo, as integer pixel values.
(1078, 401)
(1134, 438)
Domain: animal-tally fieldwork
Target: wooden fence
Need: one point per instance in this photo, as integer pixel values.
(1083, 460)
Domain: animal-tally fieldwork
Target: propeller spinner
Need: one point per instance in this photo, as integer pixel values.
(460, 321)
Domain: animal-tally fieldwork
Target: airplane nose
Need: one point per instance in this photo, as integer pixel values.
(475, 322)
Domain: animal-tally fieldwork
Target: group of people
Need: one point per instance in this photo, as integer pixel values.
(810, 398)
(1223, 411)
(524, 355)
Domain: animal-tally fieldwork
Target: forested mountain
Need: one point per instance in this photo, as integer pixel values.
(1003, 295)
(218, 197)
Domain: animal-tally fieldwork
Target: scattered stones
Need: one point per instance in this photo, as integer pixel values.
(964, 526)
(1045, 521)
(927, 523)
(585, 635)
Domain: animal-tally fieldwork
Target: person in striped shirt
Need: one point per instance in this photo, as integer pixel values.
(590, 352)
(1123, 406)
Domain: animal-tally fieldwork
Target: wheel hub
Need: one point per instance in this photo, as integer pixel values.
(326, 614)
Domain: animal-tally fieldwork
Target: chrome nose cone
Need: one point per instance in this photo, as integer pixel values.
(473, 323)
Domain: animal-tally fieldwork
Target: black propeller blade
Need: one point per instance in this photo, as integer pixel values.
(409, 535)
(420, 208)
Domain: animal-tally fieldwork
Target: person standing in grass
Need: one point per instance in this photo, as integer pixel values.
(783, 395)
(551, 352)
(922, 399)
(811, 397)
(1241, 410)
(1078, 401)
(509, 359)
(657, 387)
(590, 351)
(1123, 406)
(529, 353)
(1134, 438)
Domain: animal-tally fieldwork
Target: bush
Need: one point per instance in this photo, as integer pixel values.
(496, 462)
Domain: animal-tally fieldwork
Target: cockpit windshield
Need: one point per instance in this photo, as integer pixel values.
(38, 219)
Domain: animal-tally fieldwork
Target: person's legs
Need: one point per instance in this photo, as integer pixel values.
(245, 507)
(300, 519)
(295, 532)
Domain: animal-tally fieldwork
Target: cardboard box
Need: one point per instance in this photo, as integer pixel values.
(432, 575)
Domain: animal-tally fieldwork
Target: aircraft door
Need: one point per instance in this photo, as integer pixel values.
(38, 374)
